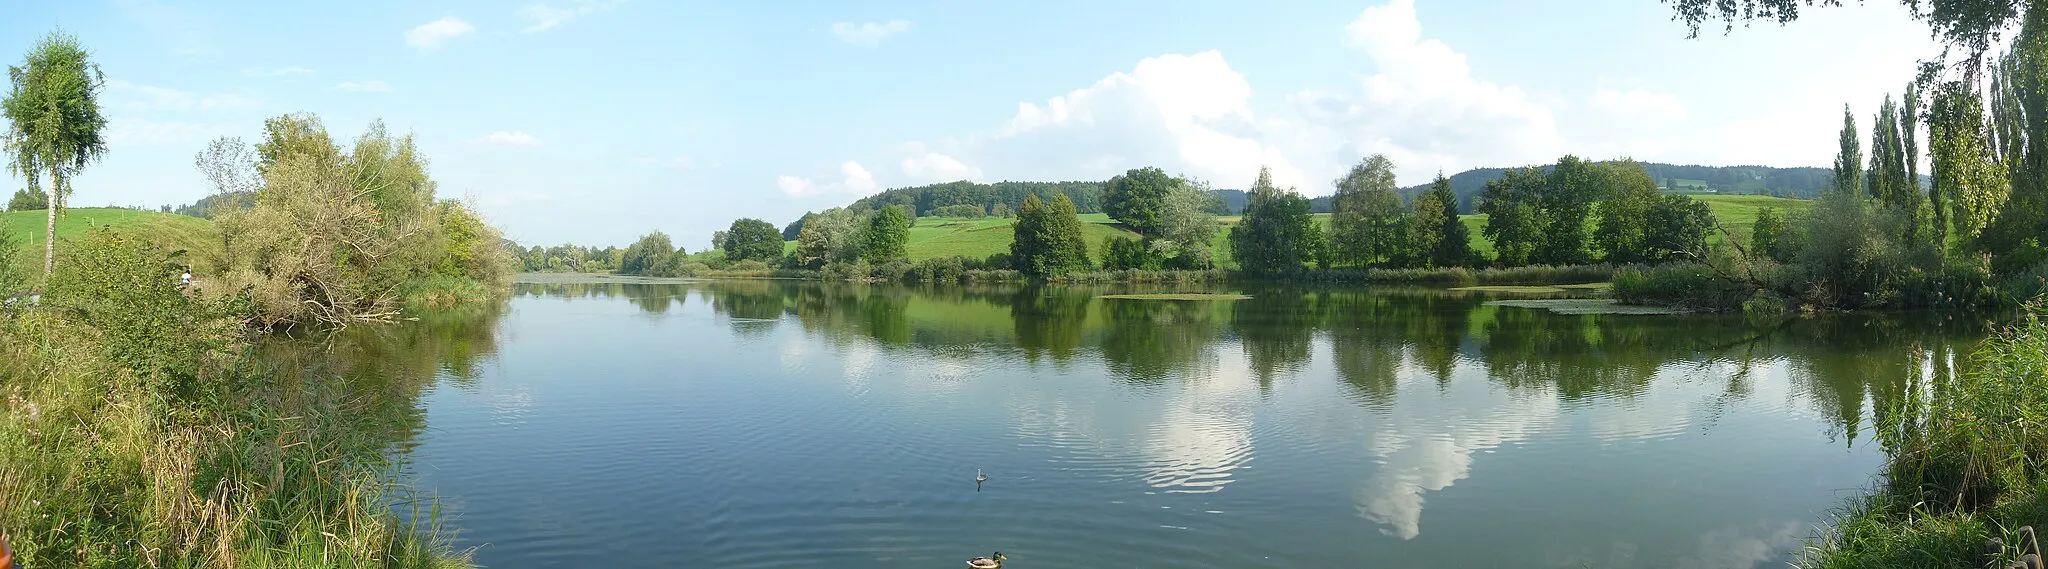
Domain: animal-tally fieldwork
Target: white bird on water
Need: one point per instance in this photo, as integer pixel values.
(979, 477)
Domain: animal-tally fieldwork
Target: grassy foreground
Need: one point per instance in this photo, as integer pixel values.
(139, 428)
(1967, 446)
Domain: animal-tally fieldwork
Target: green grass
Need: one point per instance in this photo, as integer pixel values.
(199, 236)
(1738, 213)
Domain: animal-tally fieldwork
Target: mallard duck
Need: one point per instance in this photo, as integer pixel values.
(993, 561)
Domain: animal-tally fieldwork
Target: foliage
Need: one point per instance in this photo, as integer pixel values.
(1119, 253)
(2019, 107)
(1136, 198)
(885, 236)
(229, 166)
(963, 211)
(1367, 225)
(1971, 24)
(1512, 215)
(570, 258)
(129, 290)
(1564, 205)
(25, 200)
(1683, 285)
(1047, 238)
(1000, 210)
(1275, 235)
(333, 236)
(827, 238)
(1187, 227)
(1087, 196)
(1440, 238)
(11, 277)
(1965, 177)
(57, 130)
(1622, 231)
(752, 239)
(1767, 235)
(653, 255)
(1848, 160)
(1678, 228)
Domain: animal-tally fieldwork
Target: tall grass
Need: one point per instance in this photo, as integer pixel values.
(1967, 445)
(137, 429)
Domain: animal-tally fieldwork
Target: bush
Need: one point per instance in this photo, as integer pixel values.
(25, 200)
(941, 270)
(1119, 253)
(129, 290)
(1683, 285)
(966, 211)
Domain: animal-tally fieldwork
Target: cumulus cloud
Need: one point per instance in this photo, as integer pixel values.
(936, 167)
(869, 33)
(1423, 107)
(1186, 113)
(364, 86)
(508, 138)
(854, 180)
(430, 35)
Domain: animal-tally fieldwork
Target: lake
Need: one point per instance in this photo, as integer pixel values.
(738, 424)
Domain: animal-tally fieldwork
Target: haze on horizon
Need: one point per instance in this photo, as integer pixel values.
(595, 121)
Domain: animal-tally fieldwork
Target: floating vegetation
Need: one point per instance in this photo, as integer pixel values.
(1586, 306)
(1180, 296)
(1516, 289)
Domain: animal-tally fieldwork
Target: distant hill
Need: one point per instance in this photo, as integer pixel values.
(1724, 180)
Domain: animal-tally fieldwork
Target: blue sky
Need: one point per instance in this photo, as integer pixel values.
(596, 121)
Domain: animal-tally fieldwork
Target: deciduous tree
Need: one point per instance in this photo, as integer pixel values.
(57, 130)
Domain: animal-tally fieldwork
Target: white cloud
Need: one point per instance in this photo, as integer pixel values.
(855, 180)
(1423, 107)
(508, 138)
(364, 86)
(428, 36)
(278, 72)
(936, 167)
(1186, 113)
(546, 17)
(869, 33)
(858, 180)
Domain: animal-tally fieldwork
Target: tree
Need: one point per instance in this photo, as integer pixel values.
(1136, 198)
(53, 104)
(999, 210)
(718, 238)
(1187, 225)
(25, 200)
(1848, 161)
(1047, 238)
(750, 239)
(1511, 214)
(647, 256)
(1275, 235)
(1564, 204)
(1678, 228)
(1965, 176)
(1366, 219)
(827, 238)
(1970, 24)
(1119, 253)
(1440, 238)
(229, 165)
(886, 235)
(1767, 235)
(1622, 231)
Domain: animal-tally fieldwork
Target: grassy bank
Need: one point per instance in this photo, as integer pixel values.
(199, 237)
(138, 429)
(1967, 447)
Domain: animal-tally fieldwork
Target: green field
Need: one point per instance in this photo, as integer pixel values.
(173, 231)
(979, 238)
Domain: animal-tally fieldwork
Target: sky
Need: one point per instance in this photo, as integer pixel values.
(596, 121)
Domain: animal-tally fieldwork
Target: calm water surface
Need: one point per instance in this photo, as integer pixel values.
(745, 424)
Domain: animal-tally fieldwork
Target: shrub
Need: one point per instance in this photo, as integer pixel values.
(1119, 253)
(1683, 285)
(940, 270)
